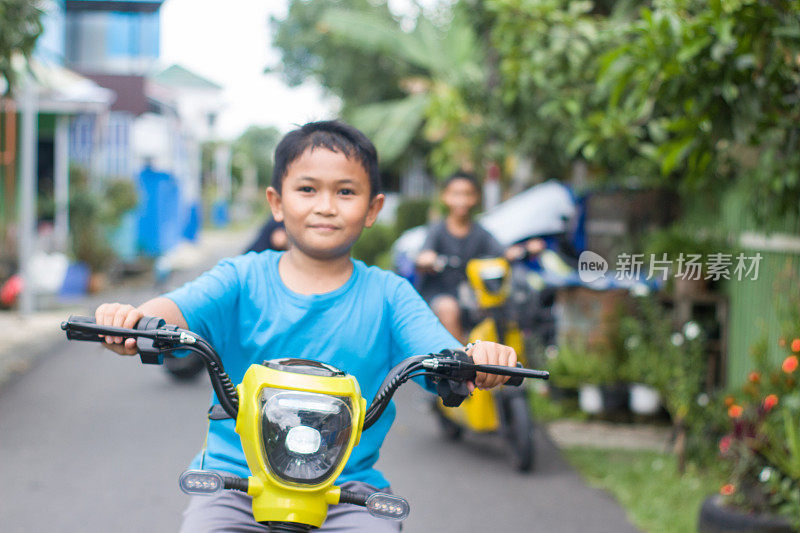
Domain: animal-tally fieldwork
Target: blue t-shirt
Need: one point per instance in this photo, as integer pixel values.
(365, 327)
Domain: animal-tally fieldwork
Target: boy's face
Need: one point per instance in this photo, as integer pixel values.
(324, 203)
(460, 197)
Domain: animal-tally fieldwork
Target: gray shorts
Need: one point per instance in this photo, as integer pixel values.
(231, 511)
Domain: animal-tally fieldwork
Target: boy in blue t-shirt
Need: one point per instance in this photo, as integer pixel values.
(312, 301)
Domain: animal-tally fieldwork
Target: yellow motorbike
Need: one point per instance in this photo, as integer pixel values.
(297, 419)
(506, 410)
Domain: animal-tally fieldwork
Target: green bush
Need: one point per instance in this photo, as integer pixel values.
(374, 243)
(411, 213)
(89, 244)
(93, 214)
(119, 197)
(577, 364)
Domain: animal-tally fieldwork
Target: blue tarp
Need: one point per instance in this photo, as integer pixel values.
(162, 215)
(194, 221)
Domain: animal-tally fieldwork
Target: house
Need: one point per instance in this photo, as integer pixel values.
(116, 45)
(98, 99)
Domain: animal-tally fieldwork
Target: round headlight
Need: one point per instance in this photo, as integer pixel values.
(305, 435)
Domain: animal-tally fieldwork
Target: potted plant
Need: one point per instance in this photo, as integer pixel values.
(641, 367)
(93, 216)
(590, 394)
(762, 443)
(593, 374)
(574, 367)
(762, 449)
(563, 364)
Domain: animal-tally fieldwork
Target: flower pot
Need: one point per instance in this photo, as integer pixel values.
(717, 518)
(560, 394)
(643, 400)
(615, 397)
(590, 400)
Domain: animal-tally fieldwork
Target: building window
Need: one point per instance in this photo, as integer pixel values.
(112, 42)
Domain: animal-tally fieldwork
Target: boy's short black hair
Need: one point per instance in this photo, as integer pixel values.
(332, 135)
(462, 175)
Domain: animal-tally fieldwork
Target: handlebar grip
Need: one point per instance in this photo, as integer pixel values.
(85, 328)
(516, 381)
(75, 335)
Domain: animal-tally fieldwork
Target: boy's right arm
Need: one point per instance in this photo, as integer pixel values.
(126, 316)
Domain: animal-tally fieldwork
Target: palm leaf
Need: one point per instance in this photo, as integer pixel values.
(372, 34)
(392, 125)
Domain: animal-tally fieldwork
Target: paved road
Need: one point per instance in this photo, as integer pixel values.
(469, 486)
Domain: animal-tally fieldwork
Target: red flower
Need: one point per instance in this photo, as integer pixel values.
(770, 402)
(790, 363)
(735, 411)
(727, 490)
(729, 401)
(796, 345)
(754, 377)
(725, 444)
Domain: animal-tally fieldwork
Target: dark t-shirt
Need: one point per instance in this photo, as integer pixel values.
(457, 250)
(264, 239)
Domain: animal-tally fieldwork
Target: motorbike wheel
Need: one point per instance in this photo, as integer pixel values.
(519, 432)
(184, 368)
(450, 429)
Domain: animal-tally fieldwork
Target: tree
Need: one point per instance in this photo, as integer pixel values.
(20, 27)
(546, 53)
(256, 145)
(702, 95)
(357, 76)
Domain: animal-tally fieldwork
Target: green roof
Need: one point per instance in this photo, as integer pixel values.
(178, 76)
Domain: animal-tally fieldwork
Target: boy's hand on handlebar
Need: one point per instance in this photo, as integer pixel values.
(491, 353)
(119, 316)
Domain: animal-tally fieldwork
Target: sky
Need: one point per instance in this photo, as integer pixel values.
(229, 42)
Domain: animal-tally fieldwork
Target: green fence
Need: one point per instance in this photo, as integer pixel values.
(753, 303)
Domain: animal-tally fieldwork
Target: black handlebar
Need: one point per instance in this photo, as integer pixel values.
(449, 370)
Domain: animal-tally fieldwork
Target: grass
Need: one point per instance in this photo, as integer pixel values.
(647, 484)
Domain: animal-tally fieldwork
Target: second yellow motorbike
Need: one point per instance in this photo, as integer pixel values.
(506, 410)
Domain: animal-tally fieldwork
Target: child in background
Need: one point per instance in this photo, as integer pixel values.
(313, 301)
(447, 248)
(272, 236)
